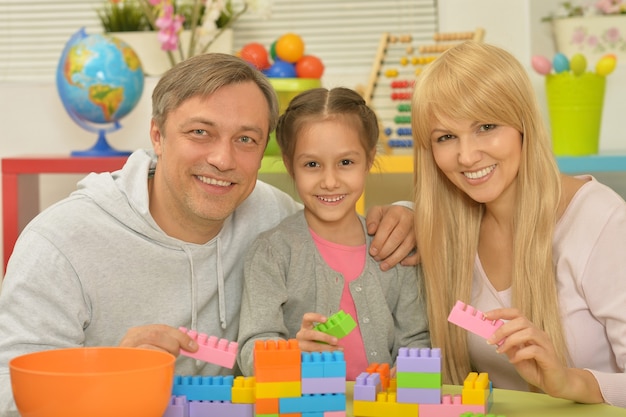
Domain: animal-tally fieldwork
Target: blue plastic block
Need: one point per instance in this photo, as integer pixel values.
(312, 403)
(203, 388)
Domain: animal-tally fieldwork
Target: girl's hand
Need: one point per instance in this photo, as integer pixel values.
(159, 337)
(532, 353)
(310, 340)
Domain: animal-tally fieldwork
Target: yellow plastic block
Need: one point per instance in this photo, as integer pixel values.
(384, 406)
(475, 389)
(278, 389)
(243, 390)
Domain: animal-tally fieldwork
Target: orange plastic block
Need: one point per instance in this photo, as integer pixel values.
(383, 371)
(276, 353)
(266, 406)
(278, 389)
(384, 406)
(476, 388)
(243, 390)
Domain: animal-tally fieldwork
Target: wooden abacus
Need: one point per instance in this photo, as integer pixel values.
(392, 104)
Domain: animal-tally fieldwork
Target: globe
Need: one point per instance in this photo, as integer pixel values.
(100, 80)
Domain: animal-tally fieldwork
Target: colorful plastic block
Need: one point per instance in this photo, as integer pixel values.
(244, 390)
(480, 415)
(476, 389)
(450, 406)
(419, 395)
(210, 408)
(334, 414)
(339, 325)
(276, 353)
(418, 380)
(323, 365)
(383, 370)
(384, 406)
(212, 349)
(419, 360)
(324, 385)
(267, 406)
(367, 386)
(203, 388)
(177, 407)
(313, 403)
(278, 389)
(470, 319)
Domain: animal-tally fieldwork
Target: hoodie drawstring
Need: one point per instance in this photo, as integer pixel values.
(220, 285)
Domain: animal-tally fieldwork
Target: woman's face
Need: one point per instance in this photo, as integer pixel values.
(482, 159)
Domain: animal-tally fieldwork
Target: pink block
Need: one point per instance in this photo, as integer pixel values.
(334, 414)
(212, 349)
(450, 406)
(470, 319)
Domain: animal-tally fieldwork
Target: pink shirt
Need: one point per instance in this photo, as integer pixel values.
(348, 261)
(590, 260)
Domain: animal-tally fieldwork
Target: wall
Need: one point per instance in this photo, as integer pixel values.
(34, 122)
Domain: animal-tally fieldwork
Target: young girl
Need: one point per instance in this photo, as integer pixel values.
(500, 228)
(315, 262)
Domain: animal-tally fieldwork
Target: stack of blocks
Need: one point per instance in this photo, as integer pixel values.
(416, 390)
(291, 383)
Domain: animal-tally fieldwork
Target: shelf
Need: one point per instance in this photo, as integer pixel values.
(592, 163)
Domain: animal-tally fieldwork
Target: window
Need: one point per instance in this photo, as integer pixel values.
(343, 33)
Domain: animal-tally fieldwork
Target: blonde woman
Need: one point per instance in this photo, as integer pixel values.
(500, 228)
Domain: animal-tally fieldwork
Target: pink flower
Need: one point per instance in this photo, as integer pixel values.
(169, 26)
(613, 35)
(609, 6)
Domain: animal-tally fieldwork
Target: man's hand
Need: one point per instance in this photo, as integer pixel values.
(159, 337)
(394, 239)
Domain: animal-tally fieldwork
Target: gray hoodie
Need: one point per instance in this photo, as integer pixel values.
(95, 264)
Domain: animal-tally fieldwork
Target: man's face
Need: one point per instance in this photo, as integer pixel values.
(209, 154)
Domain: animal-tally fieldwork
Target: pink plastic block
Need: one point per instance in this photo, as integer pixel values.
(334, 414)
(470, 319)
(419, 360)
(450, 407)
(212, 349)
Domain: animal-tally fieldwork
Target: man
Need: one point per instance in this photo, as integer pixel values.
(161, 240)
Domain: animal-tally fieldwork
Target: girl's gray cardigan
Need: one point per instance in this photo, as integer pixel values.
(285, 277)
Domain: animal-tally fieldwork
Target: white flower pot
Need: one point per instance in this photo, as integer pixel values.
(155, 61)
(593, 36)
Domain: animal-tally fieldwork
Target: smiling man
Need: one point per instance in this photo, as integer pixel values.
(132, 255)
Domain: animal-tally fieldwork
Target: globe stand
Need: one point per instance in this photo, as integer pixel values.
(101, 148)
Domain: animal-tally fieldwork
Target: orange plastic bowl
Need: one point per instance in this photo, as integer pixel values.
(92, 381)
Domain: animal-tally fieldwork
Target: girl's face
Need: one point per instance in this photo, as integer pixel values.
(329, 167)
(481, 159)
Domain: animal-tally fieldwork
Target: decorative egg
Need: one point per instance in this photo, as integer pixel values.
(541, 64)
(578, 64)
(560, 63)
(606, 65)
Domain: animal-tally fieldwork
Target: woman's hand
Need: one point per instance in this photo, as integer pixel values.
(394, 240)
(310, 340)
(159, 337)
(532, 353)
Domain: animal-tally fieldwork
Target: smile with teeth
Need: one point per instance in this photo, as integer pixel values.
(479, 174)
(331, 199)
(212, 181)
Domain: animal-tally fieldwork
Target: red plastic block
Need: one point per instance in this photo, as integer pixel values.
(212, 349)
(470, 319)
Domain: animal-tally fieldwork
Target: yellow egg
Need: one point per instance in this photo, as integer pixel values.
(578, 64)
(606, 65)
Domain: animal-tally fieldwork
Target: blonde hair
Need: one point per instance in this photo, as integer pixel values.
(477, 81)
